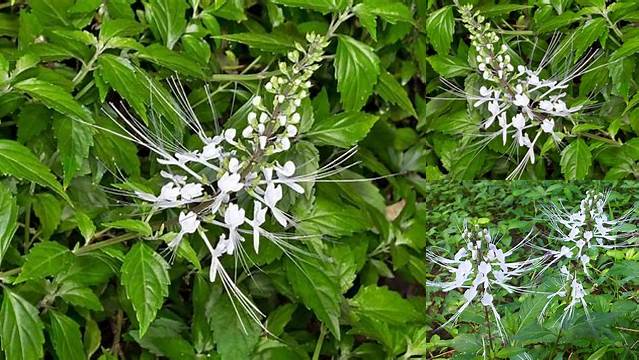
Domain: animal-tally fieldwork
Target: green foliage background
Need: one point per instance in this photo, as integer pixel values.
(513, 209)
(82, 275)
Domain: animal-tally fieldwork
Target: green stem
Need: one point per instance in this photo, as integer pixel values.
(553, 352)
(320, 342)
(243, 77)
(490, 334)
(86, 68)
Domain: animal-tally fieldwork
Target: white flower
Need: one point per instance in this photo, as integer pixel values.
(259, 217)
(257, 101)
(191, 191)
(548, 126)
(230, 183)
(234, 216)
(521, 100)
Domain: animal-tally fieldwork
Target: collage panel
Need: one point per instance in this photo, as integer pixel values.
(532, 270)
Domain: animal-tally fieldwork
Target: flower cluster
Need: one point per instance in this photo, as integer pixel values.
(583, 234)
(233, 181)
(479, 268)
(524, 106)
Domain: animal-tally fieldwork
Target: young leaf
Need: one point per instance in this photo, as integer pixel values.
(146, 281)
(440, 27)
(356, 70)
(576, 160)
(342, 130)
(8, 219)
(17, 160)
(45, 259)
(22, 330)
(66, 337)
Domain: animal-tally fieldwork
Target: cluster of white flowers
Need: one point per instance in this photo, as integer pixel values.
(480, 268)
(231, 177)
(524, 106)
(582, 235)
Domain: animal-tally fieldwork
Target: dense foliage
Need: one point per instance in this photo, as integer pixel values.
(87, 270)
(533, 332)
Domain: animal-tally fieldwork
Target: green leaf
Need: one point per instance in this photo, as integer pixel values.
(166, 19)
(49, 211)
(172, 60)
(74, 141)
(119, 27)
(85, 225)
(342, 130)
(56, 98)
(628, 48)
(235, 337)
(264, 42)
(333, 218)
(136, 226)
(146, 281)
(356, 70)
(22, 330)
(114, 151)
(393, 92)
(388, 10)
(79, 295)
(448, 66)
(8, 219)
(164, 339)
(311, 282)
(66, 337)
(17, 160)
(576, 160)
(45, 259)
(323, 6)
(440, 27)
(385, 305)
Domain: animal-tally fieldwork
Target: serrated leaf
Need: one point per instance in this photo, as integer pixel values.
(172, 60)
(17, 160)
(49, 211)
(392, 91)
(385, 305)
(56, 98)
(79, 295)
(45, 259)
(66, 337)
(8, 219)
(74, 141)
(356, 70)
(318, 291)
(342, 130)
(440, 27)
(22, 330)
(166, 19)
(235, 338)
(146, 281)
(576, 160)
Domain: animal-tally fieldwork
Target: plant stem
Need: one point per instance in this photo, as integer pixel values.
(553, 352)
(490, 334)
(320, 342)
